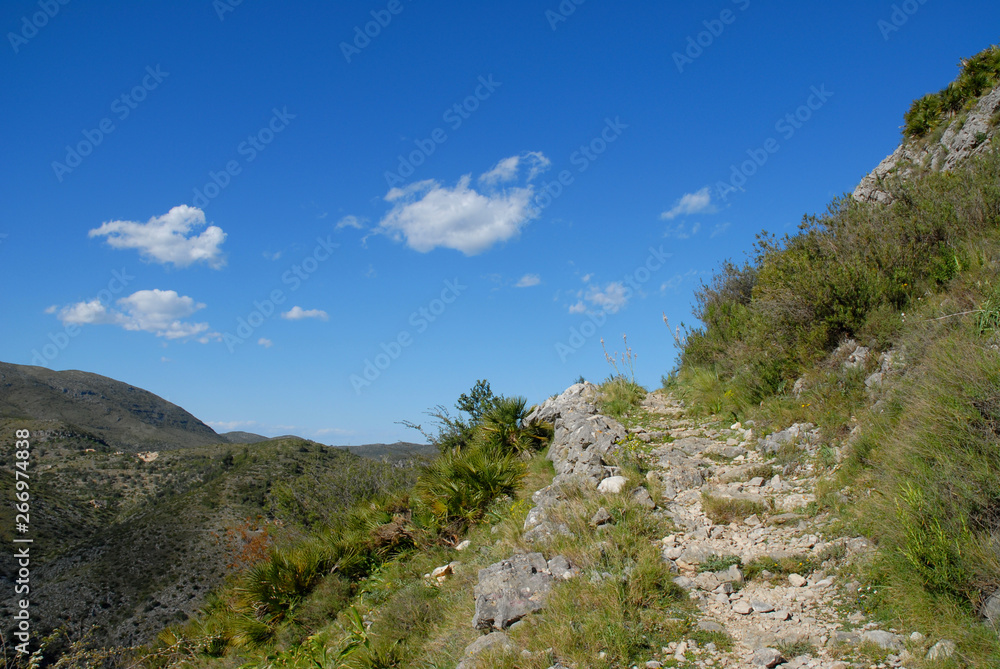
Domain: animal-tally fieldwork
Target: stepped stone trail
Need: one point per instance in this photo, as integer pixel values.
(812, 613)
(765, 612)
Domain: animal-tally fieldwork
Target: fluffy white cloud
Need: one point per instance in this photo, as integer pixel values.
(428, 215)
(168, 238)
(611, 299)
(528, 280)
(160, 312)
(297, 313)
(266, 343)
(692, 203)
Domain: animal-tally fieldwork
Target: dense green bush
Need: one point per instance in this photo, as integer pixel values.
(461, 486)
(852, 272)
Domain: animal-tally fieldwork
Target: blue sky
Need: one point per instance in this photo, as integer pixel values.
(324, 218)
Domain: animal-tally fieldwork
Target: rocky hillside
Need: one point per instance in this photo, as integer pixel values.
(119, 415)
(966, 134)
(770, 579)
(139, 510)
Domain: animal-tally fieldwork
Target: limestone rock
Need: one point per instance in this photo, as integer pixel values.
(991, 609)
(883, 639)
(612, 485)
(493, 640)
(942, 650)
(511, 589)
(641, 497)
(602, 517)
(767, 657)
(958, 144)
(801, 434)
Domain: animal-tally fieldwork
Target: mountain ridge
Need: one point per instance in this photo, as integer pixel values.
(118, 414)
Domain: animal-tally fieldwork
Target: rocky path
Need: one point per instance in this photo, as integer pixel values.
(750, 549)
(772, 611)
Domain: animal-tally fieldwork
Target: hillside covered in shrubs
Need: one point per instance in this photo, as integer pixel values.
(878, 322)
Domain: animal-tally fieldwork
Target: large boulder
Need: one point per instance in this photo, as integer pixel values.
(511, 589)
(991, 609)
(493, 640)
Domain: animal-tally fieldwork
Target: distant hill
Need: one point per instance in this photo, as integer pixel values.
(117, 414)
(130, 544)
(238, 437)
(401, 450)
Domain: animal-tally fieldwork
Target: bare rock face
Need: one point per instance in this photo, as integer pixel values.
(583, 437)
(959, 143)
(511, 589)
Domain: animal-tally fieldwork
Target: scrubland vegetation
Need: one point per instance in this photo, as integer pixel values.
(918, 279)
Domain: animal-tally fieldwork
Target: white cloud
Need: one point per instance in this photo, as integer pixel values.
(682, 231)
(266, 343)
(160, 312)
(528, 280)
(168, 238)
(350, 222)
(297, 313)
(507, 169)
(719, 230)
(611, 299)
(428, 215)
(230, 425)
(692, 203)
(578, 308)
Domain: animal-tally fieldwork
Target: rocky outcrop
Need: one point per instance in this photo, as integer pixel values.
(960, 141)
(511, 589)
(583, 437)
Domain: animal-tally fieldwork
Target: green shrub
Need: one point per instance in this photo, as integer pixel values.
(719, 562)
(725, 510)
(979, 74)
(272, 588)
(462, 486)
(793, 564)
(501, 429)
(620, 396)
